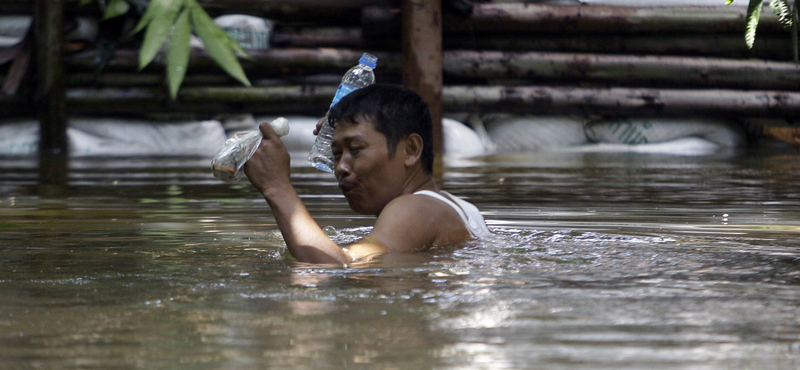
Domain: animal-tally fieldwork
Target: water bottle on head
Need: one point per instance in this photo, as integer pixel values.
(362, 75)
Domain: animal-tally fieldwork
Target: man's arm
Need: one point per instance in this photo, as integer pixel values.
(269, 172)
(408, 224)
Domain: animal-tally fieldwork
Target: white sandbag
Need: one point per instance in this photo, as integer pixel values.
(86, 29)
(460, 141)
(95, 136)
(112, 137)
(687, 146)
(655, 130)
(15, 25)
(19, 138)
(252, 33)
(530, 133)
(12, 29)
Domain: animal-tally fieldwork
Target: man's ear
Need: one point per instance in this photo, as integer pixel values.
(413, 149)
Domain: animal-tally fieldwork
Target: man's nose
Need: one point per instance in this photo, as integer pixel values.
(341, 168)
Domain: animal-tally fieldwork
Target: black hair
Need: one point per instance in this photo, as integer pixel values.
(395, 111)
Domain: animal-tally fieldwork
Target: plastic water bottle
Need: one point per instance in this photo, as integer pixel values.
(228, 163)
(321, 156)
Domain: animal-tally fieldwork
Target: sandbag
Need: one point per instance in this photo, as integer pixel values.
(111, 137)
(19, 138)
(252, 33)
(460, 141)
(657, 130)
(532, 133)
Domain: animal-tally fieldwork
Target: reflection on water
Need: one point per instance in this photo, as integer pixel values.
(600, 261)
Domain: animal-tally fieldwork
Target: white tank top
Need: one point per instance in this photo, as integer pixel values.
(472, 218)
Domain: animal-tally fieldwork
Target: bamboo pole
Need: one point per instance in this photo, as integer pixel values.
(477, 99)
(774, 47)
(622, 101)
(317, 12)
(51, 96)
(561, 19)
(270, 62)
(620, 70)
(629, 70)
(767, 46)
(209, 101)
(529, 18)
(340, 37)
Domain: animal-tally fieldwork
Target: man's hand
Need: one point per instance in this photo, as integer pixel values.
(270, 166)
(319, 125)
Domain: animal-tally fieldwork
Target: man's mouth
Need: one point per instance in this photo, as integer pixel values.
(346, 186)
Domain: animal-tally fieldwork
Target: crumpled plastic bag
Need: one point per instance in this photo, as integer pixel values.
(228, 163)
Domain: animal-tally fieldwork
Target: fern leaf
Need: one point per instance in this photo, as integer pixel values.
(793, 31)
(783, 10)
(753, 16)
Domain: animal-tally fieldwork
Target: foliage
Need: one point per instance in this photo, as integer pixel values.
(174, 20)
(787, 15)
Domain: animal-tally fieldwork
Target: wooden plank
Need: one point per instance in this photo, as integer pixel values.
(422, 57)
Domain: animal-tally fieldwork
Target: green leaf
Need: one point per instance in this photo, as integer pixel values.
(155, 8)
(152, 9)
(753, 15)
(178, 56)
(729, 2)
(217, 43)
(157, 32)
(783, 10)
(795, 51)
(85, 2)
(116, 8)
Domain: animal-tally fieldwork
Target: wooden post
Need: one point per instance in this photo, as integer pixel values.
(422, 57)
(51, 95)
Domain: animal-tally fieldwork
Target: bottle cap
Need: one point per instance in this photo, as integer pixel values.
(369, 60)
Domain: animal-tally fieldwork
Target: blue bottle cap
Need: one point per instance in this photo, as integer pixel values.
(369, 60)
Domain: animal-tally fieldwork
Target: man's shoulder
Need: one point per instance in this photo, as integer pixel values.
(413, 203)
(415, 222)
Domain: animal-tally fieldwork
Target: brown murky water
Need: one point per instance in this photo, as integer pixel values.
(600, 261)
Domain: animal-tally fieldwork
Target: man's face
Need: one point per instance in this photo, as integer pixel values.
(368, 177)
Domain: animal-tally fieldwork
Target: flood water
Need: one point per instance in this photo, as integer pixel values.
(600, 261)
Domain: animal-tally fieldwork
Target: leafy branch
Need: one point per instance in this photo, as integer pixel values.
(787, 15)
(174, 20)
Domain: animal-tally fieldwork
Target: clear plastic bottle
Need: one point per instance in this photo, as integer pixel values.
(321, 156)
(228, 163)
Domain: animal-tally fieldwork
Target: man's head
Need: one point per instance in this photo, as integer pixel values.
(395, 111)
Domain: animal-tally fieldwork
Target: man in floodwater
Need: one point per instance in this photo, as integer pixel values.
(383, 151)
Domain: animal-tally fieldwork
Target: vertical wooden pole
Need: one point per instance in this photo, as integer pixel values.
(51, 95)
(422, 58)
